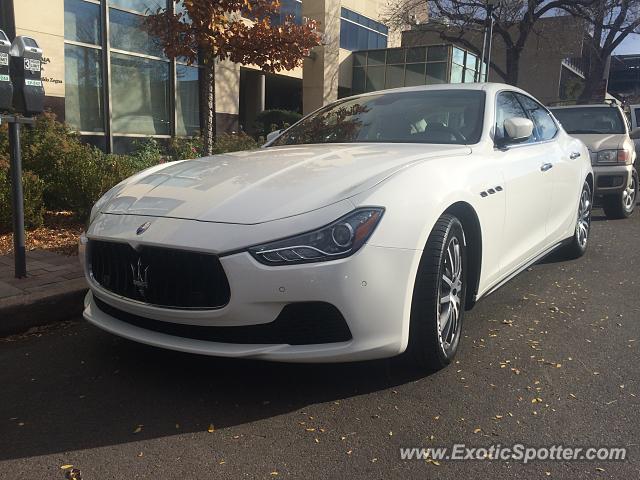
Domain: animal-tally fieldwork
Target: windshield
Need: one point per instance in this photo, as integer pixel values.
(603, 120)
(422, 116)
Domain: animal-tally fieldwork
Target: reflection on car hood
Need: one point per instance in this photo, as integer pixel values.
(601, 141)
(267, 184)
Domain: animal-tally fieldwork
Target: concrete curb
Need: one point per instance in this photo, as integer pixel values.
(19, 313)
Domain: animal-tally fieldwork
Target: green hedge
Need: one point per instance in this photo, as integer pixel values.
(62, 173)
(33, 188)
(271, 120)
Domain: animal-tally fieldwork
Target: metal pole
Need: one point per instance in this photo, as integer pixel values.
(490, 41)
(484, 44)
(17, 201)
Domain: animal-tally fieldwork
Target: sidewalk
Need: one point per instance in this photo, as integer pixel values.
(52, 291)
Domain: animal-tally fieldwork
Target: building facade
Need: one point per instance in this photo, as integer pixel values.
(106, 78)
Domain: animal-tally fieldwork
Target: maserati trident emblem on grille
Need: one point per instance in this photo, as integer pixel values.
(140, 277)
(143, 228)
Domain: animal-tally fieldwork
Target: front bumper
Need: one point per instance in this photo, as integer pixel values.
(372, 290)
(612, 179)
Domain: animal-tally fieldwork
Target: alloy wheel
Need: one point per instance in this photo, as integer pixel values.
(450, 295)
(584, 218)
(629, 195)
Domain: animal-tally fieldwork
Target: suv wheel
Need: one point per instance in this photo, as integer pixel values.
(622, 204)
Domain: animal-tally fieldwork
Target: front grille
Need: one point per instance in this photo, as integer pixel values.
(305, 323)
(159, 276)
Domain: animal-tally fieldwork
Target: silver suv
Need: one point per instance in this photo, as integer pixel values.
(605, 131)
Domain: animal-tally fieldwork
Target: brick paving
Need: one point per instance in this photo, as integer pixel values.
(53, 280)
(44, 269)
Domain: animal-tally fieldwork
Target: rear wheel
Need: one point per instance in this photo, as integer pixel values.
(438, 302)
(622, 204)
(578, 245)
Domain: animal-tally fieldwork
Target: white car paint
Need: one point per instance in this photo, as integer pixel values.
(226, 203)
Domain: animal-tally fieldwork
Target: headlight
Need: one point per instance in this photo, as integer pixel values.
(608, 156)
(339, 239)
(614, 156)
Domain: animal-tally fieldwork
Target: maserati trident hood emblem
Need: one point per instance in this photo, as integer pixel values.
(143, 228)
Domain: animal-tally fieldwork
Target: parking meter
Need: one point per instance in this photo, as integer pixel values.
(6, 87)
(26, 75)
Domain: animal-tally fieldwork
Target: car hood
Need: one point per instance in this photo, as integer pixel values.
(597, 142)
(267, 184)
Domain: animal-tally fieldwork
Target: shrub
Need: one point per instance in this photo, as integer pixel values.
(234, 142)
(33, 188)
(271, 120)
(148, 151)
(182, 148)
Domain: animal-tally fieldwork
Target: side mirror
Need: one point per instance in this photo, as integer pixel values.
(518, 129)
(273, 135)
(635, 133)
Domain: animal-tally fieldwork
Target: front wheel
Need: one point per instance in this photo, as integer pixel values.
(578, 245)
(437, 307)
(622, 204)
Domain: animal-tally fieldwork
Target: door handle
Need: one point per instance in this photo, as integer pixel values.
(574, 155)
(546, 166)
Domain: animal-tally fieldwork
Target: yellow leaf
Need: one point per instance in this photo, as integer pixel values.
(211, 428)
(66, 467)
(477, 430)
(138, 429)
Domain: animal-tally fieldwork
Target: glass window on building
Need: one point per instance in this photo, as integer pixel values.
(358, 32)
(288, 8)
(83, 90)
(140, 95)
(127, 33)
(82, 22)
(142, 6)
(415, 74)
(436, 73)
(394, 76)
(187, 101)
(375, 78)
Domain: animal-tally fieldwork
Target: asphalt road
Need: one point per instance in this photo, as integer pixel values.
(567, 333)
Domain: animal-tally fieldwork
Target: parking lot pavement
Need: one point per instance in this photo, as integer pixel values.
(552, 358)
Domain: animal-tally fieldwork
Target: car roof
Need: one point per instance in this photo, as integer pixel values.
(593, 105)
(488, 87)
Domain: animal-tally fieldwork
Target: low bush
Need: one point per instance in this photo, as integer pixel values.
(234, 142)
(33, 188)
(271, 120)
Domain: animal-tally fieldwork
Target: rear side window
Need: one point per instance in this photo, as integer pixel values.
(546, 128)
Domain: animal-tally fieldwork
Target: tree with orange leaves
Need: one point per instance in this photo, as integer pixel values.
(237, 30)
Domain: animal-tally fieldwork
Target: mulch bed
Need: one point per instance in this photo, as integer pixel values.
(59, 234)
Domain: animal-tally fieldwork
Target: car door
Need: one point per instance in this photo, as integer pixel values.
(563, 158)
(528, 188)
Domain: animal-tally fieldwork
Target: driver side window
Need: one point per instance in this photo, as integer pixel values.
(507, 107)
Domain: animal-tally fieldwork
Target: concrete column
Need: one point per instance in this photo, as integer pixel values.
(253, 97)
(321, 70)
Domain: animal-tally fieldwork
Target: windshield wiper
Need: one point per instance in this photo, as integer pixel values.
(585, 131)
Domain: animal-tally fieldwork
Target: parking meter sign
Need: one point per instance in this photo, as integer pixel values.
(33, 83)
(4, 59)
(32, 65)
(4, 78)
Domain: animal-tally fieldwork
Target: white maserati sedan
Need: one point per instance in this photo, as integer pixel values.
(363, 231)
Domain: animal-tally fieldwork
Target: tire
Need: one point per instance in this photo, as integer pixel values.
(434, 333)
(580, 239)
(622, 204)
